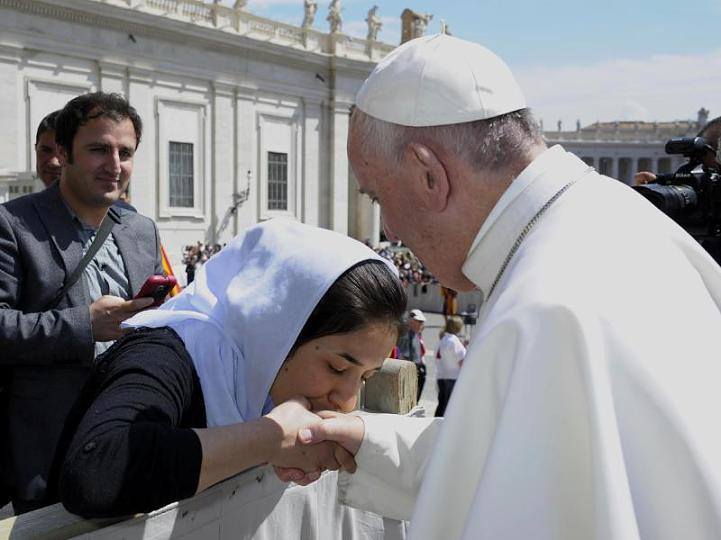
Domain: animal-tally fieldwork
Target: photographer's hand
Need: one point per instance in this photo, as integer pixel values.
(643, 177)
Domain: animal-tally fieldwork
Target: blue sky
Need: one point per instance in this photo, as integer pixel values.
(604, 60)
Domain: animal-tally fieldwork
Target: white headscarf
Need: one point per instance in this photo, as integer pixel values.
(246, 307)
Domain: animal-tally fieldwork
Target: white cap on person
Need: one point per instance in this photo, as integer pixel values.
(438, 80)
(417, 315)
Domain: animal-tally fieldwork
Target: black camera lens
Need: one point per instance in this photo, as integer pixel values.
(671, 200)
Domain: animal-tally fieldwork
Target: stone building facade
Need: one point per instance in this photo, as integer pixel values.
(620, 149)
(245, 118)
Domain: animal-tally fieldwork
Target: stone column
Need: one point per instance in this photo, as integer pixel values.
(144, 186)
(246, 157)
(339, 120)
(113, 78)
(376, 232)
(223, 175)
(311, 175)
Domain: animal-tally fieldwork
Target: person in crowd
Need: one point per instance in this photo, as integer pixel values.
(51, 326)
(711, 131)
(449, 359)
(410, 346)
(587, 405)
(47, 158)
(286, 318)
(411, 270)
(450, 302)
(196, 255)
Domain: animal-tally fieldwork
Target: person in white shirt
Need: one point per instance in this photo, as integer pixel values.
(449, 356)
(588, 402)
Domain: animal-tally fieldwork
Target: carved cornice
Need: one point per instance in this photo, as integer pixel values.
(260, 36)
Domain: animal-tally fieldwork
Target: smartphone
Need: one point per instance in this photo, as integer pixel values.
(156, 287)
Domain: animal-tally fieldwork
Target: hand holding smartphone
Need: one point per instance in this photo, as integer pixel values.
(156, 287)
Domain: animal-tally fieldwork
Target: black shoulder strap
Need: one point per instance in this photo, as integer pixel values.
(103, 232)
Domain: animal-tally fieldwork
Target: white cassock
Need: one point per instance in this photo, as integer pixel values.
(588, 404)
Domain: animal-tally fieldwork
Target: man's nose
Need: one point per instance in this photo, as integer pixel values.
(113, 162)
(53, 162)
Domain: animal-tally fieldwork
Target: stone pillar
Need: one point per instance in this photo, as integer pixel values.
(376, 232)
(246, 157)
(311, 176)
(14, 136)
(113, 78)
(223, 174)
(393, 389)
(144, 186)
(339, 120)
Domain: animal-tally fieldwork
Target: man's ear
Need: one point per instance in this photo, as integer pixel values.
(435, 185)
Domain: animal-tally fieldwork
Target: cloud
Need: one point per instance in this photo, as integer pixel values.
(661, 87)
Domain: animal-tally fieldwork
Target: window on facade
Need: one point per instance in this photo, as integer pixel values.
(277, 181)
(180, 164)
(664, 165)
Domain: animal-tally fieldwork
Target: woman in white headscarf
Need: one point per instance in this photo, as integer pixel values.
(219, 379)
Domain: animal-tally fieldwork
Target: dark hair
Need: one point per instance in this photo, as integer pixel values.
(80, 110)
(714, 127)
(46, 124)
(367, 293)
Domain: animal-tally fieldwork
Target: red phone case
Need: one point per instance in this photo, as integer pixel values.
(156, 287)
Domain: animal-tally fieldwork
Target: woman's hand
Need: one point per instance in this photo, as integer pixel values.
(300, 462)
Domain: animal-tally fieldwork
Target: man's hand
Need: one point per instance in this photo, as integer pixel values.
(289, 453)
(346, 430)
(643, 177)
(107, 312)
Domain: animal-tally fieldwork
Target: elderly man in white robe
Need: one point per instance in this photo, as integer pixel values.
(588, 403)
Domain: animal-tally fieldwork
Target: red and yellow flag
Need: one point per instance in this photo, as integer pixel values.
(168, 269)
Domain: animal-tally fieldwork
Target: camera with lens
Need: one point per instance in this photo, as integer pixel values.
(691, 196)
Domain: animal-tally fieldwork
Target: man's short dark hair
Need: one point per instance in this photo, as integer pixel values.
(711, 131)
(46, 124)
(80, 110)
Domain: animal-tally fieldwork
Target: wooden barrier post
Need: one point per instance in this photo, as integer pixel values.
(393, 389)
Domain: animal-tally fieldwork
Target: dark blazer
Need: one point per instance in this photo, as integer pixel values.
(48, 353)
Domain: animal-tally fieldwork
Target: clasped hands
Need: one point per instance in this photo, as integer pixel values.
(313, 442)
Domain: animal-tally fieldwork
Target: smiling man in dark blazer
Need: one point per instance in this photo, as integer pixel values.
(48, 342)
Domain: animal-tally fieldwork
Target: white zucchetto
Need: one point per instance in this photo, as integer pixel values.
(439, 80)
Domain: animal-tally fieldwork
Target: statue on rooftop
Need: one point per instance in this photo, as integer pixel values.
(374, 24)
(239, 4)
(702, 118)
(310, 7)
(444, 28)
(334, 17)
(420, 23)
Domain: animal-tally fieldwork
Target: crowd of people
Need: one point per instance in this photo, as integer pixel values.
(411, 270)
(195, 255)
